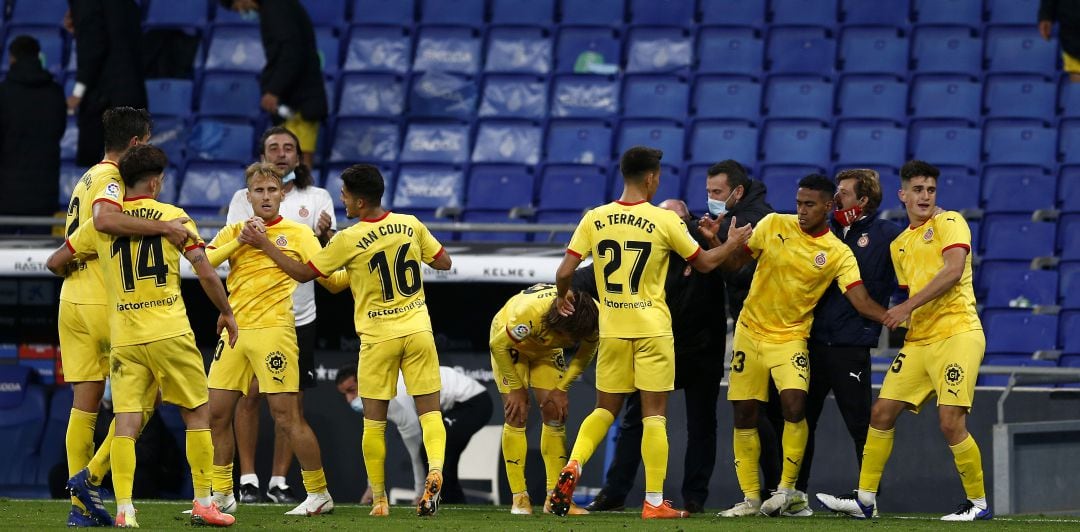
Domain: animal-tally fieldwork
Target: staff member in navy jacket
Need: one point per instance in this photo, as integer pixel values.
(841, 339)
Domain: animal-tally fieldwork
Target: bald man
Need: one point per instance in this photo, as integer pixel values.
(699, 325)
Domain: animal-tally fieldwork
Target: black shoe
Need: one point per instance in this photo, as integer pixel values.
(694, 507)
(281, 495)
(604, 503)
(249, 493)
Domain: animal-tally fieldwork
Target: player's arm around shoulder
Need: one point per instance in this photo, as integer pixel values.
(78, 245)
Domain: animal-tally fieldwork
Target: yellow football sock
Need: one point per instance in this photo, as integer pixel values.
(514, 448)
(79, 442)
(654, 452)
(794, 444)
(876, 452)
(434, 439)
(200, 457)
(969, 464)
(221, 478)
(123, 468)
(374, 445)
(553, 449)
(101, 462)
(314, 481)
(592, 431)
(747, 448)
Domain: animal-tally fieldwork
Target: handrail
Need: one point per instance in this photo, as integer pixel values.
(466, 227)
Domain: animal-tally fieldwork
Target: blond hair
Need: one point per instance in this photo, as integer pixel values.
(261, 170)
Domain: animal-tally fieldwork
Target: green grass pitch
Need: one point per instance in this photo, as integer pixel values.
(38, 515)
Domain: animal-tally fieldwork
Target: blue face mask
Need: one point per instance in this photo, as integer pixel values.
(357, 405)
(288, 177)
(719, 208)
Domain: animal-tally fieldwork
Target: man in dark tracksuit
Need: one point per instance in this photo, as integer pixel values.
(841, 339)
(699, 365)
(1067, 14)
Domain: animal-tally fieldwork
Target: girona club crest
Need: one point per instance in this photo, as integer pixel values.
(819, 259)
(929, 234)
(281, 241)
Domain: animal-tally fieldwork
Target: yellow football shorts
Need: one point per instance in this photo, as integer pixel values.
(1070, 63)
(624, 365)
(269, 354)
(536, 369)
(414, 355)
(305, 130)
(173, 365)
(84, 341)
(948, 368)
(754, 359)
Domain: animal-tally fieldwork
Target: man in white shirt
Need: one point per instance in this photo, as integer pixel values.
(466, 408)
(312, 206)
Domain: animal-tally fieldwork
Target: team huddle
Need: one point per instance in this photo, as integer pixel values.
(122, 317)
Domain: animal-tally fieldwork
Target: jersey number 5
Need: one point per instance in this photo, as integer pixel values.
(613, 255)
(150, 261)
(406, 273)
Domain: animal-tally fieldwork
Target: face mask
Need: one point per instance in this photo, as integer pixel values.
(719, 208)
(358, 405)
(288, 177)
(846, 217)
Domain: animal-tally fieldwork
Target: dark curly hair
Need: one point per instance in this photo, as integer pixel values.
(582, 324)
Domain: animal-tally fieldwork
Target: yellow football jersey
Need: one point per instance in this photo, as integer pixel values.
(142, 275)
(917, 258)
(793, 271)
(261, 293)
(382, 257)
(100, 183)
(630, 243)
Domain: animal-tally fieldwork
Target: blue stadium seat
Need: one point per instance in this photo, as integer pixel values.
(962, 12)
(584, 96)
(53, 448)
(1069, 189)
(958, 188)
(499, 187)
(556, 217)
(438, 94)
(665, 135)
(1016, 332)
(328, 46)
(655, 96)
(890, 186)
(226, 17)
(782, 183)
(1026, 142)
(662, 12)
(208, 187)
(713, 140)
(377, 48)
(333, 183)
(572, 188)
(696, 177)
(946, 50)
(816, 12)
(230, 94)
(507, 96)
(1012, 11)
(799, 97)
(882, 12)
(588, 50)
(429, 186)
(466, 12)
(44, 12)
(221, 140)
(730, 51)
(869, 142)
(726, 97)
(169, 97)
(1008, 360)
(976, 236)
(371, 141)
(800, 50)
(1069, 286)
(670, 183)
(173, 176)
(436, 142)
(1016, 237)
(325, 13)
(874, 50)
(796, 142)
(733, 12)
(1020, 96)
(650, 49)
(578, 142)
(989, 272)
(519, 50)
(371, 95)
(507, 142)
(1070, 341)
(49, 37)
(1069, 98)
(448, 49)
(69, 143)
(393, 12)
(1017, 189)
(69, 176)
(236, 49)
(169, 13)
(171, 135)
(1069, 141)
(1031, 288)
(945, 143)
(593, 13)
(540, 12)
(868, 96)
(502, 217)
(1070, 237)
(943, 96)
(22, 421)
(1019, 49)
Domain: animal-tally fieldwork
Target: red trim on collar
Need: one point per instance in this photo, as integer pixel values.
(821, 234)
(135, 198)
(379, 219)
(620, 202)
(274, 221)
(106, 161)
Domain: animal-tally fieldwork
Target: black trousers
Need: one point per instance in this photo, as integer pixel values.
(462, 421)
(698, 375)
